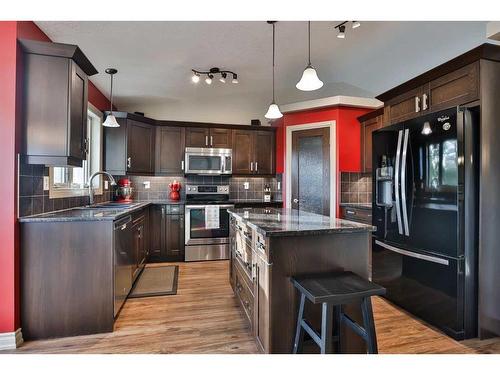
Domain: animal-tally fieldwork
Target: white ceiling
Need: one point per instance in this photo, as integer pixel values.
(154, 60)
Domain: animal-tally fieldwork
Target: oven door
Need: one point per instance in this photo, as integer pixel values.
(196, 231)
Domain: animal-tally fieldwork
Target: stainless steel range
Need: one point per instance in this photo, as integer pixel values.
(207, 222)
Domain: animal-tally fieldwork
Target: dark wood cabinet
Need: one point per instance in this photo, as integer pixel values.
(170, 150)
(129, 149)
(166, 233)
(360, 214)
(139, 252)
(197, 137)
(208, 137)
(253, 152)
(55, 103)
(369, 123)
(405, 106)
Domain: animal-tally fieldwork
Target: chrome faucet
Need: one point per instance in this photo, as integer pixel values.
(91, 189)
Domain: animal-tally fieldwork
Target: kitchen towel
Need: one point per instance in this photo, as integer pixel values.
(212, 217)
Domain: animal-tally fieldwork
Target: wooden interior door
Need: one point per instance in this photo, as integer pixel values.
(311, 170)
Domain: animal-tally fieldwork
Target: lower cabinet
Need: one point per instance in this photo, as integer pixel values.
(166, 233)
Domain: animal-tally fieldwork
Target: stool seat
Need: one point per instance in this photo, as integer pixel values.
(336, 288)
(333, 291)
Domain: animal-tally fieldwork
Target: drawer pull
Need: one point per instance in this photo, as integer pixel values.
(350, 212)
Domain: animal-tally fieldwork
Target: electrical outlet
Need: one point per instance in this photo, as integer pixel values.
(147, 184)
(106, 184)
(246, 185)
(46, 183)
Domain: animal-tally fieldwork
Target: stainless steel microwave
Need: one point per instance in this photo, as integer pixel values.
(209, 161)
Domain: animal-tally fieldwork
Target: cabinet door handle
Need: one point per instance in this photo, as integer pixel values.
(129, 162)
(417, 104)
(206, 140)
(251, 166)
(182, 165)
(350, 212)
(424, 102)
(211, 141)
(256, 166)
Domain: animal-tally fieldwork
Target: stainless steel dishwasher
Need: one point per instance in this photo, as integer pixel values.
(123, 240)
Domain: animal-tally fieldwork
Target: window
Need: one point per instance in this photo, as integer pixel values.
(70, 181)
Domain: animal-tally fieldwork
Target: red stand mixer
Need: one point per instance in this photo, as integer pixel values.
(175, 187)
(124, 191)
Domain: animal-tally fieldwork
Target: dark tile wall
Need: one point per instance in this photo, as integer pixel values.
(159, 186)
(34, 200)
(355, 187)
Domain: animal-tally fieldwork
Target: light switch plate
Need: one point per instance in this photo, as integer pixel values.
(246, 185)
(46, 183)
(106, 185)
(147, 184)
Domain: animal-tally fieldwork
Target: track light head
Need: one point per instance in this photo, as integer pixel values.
(208, 80)
(341, 34)
(195, 77)
(223, 77)
(356, 24)
(235, 78)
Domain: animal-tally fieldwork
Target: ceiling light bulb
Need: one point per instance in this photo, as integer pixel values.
(426, 130)
(195, 78)
(223, 78)
(341, 34)
(111, 122)
(309, 80)
(235, 78)
(355, 24)
(208, 80)
(273, 112)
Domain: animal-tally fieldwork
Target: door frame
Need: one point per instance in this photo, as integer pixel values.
(333, 160)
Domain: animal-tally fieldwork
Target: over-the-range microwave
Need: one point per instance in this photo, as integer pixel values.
(209, 161)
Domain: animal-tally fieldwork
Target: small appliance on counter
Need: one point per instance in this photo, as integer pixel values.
(124, 191)
(267, 193)
(175, 187)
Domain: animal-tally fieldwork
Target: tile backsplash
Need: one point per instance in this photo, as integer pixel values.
(34, 200)
(355, 187)
(159, 186)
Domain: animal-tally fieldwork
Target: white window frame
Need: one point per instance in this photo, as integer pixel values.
(96, 165)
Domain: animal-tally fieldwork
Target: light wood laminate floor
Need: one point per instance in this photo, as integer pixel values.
(204, 317)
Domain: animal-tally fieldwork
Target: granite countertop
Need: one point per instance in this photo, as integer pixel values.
(289, 222)
(367, 206)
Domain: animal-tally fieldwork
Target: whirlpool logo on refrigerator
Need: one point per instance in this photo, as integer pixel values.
(446, 125)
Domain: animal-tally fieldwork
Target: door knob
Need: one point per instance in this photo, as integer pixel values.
(295, 200)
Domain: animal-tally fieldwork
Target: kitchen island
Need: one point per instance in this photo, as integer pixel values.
(269, 246)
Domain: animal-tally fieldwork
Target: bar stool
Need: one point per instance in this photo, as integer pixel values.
(334, 290)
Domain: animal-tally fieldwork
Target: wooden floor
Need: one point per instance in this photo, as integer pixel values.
(204, 318)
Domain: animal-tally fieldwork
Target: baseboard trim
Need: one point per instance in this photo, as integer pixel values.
(11, 340)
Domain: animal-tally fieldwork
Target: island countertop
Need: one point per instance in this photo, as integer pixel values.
(290, 222)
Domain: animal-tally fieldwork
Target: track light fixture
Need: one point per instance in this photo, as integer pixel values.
(341, 28)
(211, 74)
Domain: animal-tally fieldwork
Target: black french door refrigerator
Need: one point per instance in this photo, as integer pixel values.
(424, 208)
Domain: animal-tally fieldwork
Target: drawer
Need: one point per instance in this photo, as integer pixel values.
(245, 296)
(357, 214)
(175, 209)
(245, 273)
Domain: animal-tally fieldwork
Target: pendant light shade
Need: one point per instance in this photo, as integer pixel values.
(273, 112)
(110, 121)
(426, 130)
(309, 80)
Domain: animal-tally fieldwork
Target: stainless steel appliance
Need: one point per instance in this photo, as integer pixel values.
(425, 210)
(209, 161)
(206, 242)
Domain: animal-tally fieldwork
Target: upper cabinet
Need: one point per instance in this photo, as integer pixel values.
(169, 150)
(55, 103)
(208, 137)
(432, 92)
(129, 149)
(253, 152)
(369, 123)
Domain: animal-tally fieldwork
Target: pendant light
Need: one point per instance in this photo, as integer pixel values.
(309, 80)
(111, 119)
(273, 112)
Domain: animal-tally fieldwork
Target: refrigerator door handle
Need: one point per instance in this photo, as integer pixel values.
(396, 183)
(412, 254)
(403, 183)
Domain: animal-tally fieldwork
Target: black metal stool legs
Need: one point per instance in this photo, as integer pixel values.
(326, 328)
(299, 332)
(371, 336)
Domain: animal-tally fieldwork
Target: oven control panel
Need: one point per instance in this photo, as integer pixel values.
(207, 189)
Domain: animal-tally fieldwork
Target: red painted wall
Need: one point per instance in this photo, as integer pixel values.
(10, 137)
(348, 134)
